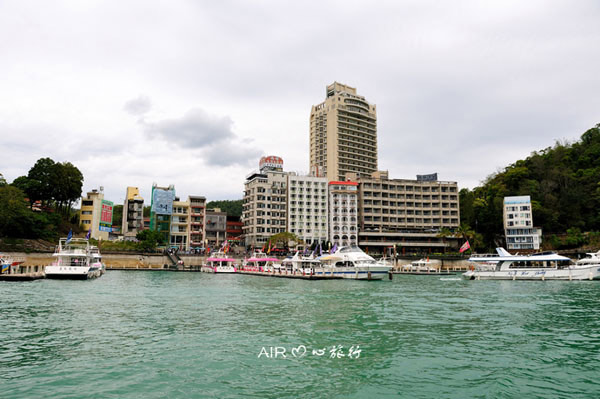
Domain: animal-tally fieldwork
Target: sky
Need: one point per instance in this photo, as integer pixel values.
(193, 93)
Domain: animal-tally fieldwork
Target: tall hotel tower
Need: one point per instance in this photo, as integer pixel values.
(343, 134)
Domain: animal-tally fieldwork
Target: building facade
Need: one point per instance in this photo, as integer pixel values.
(95, 215)
(343, 134)
(406, 213)
(264, 210)
(161, 210)
(216, 227)
(307, 208)
(179, 236)
(234, 229)
(518, 224)
(343, 213)
(197, 221)
(133, 214)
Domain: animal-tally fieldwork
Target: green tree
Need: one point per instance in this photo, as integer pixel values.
(118, 214)
(2, 180)
(232, 207)
(43, 179)
(14, 212)
(285, 239)
(149, 240)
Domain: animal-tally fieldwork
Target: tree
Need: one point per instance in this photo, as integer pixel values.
(67, 183)
(118, 214)
(14, 213)
(285, 238)
(232, 207)
(149, 239)
(42, 176)
(2, 180)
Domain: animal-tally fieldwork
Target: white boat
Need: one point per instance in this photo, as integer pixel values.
(75, 259)
(219, 262)
(421, 266)
(592, 259)
(261, 262)
(540, 266)
(351, 262)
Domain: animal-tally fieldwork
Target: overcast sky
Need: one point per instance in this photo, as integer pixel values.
(192, 93)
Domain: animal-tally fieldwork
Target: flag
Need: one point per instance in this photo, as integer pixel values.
(269, 250)
(89, 233)
(464, 247)
(69, 236)
(333, 249)
(320, 249)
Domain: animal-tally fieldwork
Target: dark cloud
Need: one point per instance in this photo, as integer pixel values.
(138, 106)
(195, 129)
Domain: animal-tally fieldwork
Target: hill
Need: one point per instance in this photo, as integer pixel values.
(563, 182)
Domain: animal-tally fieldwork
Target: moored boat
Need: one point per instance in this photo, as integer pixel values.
(350, 262)
(76, 259)
(219, 262)
(540, 266)
(261, 262)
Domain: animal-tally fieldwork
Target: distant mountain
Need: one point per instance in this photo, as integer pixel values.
(563, 182)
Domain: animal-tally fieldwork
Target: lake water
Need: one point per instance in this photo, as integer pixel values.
(194, 335)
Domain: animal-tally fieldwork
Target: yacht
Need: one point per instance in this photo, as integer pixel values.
(592, 259)
(540, 266)
(219, 262)
(351, 262)
(75, 259)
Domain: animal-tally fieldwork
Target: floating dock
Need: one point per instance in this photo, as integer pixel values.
(22, 276)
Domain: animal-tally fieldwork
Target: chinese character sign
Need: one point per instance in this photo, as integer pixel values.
(106, 216)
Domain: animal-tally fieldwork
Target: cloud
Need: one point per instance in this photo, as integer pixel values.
(138, 106)
(240, 153)
(195, 129)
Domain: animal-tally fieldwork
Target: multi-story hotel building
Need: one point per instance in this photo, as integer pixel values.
(343, 213)
(518, 224)
(343, 134)
(133, 214)
(307, 208)
(406, 213)
(96, 214)
(264, 210)
(197, 218)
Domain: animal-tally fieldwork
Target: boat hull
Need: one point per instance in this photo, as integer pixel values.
(355, 273)
(72, 272)
(218, 269)
(576, 273)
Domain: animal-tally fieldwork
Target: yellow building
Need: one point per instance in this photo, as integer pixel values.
(133, 214)
(91, 212)
(343, 134)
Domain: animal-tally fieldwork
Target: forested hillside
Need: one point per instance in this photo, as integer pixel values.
(563, 182)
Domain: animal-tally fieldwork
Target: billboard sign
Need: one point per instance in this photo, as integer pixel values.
(431, 177)
(162, 201)
(106, 216)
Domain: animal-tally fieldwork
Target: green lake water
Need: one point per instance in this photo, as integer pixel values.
(195, 335)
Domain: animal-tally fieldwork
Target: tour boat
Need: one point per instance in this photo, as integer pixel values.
(540, 266)
(219, 262)
(261, 262)
(351, 262)
(75, 259)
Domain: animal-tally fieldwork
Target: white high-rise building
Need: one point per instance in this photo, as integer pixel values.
(307, 208)
(518, 224)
